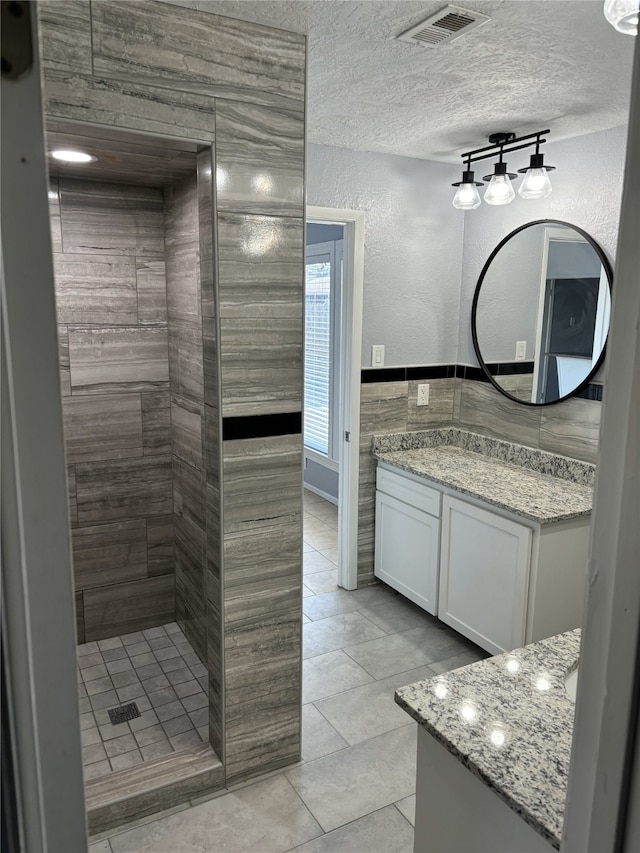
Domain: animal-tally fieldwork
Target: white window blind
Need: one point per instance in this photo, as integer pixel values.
(317, 354)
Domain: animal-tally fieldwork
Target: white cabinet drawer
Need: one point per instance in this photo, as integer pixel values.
(409, 491)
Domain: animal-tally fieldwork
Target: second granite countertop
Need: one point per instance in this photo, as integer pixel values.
(533, 495)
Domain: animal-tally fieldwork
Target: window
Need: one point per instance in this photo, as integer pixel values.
(322, 340)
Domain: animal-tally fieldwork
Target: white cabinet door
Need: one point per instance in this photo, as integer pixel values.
(407, 546)
(484, 574)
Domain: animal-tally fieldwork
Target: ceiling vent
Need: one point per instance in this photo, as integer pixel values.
(447, 24)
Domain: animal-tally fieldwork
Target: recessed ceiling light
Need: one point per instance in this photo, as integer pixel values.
(69, 156)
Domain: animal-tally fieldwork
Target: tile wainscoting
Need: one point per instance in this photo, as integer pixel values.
(460, 396)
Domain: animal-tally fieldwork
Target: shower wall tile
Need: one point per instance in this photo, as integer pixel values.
(109, 553)
(261, 365)
(123, 489)
(160, 545)
(125, 104)
(111, 219)
(80, 638)
(182, 241)
(63, 359)
(199, 53)
(260, 153)
(133, 358)
(262, 694)
(73, 497)
(186, 424)
(205, 232)
(156, 422)
(54, 215)
(102, 427)
(185, 360)
(188, 494)
(98, 289)
(65, 34)
(122, 608)
(151, 283)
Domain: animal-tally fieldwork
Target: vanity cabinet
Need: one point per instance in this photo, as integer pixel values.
(499, 579)
(408, 538)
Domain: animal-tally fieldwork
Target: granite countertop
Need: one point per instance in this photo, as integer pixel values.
(509, 721)
(535, 495)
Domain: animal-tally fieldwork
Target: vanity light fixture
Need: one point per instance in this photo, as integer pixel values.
(536, 183)
(72, 156)
(623, 15)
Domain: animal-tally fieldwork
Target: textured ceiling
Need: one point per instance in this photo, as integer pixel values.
(551, 63)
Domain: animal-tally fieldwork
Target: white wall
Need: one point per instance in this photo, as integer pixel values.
(587, 188)
(413, 248)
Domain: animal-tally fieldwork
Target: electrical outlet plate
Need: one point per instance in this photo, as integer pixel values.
(423, 395)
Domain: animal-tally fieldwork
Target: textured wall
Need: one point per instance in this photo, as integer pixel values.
(587, 188)
(413, 239)
(112, 314)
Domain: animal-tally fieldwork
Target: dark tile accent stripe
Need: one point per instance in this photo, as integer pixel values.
(593, 391)
(261, 426)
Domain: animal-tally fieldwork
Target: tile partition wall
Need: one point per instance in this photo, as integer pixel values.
(239, 87)
(112, 315)
(570, 428)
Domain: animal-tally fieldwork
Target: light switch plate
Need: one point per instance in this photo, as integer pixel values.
(521, 350)
(377, 355)
(423, 395)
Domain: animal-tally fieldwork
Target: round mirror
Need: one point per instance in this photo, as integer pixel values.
(541, 312)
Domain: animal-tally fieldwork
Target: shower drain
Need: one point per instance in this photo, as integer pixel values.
(123, 713)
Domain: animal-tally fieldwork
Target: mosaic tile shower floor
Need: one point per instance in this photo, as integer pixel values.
(157, 670)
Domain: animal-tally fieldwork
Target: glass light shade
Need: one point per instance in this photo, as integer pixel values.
(499, 190)
(536, 184)
(623, 15)
(72, 156)
(467, 197)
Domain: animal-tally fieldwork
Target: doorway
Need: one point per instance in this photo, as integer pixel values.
(334, 262)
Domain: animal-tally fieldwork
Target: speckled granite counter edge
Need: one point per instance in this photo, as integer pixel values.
(559, 655)
(398, 459)
(562, 467)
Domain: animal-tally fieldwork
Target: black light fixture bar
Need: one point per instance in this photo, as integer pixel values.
(498, 150)
(496, 146)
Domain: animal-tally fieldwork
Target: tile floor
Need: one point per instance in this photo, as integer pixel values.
(354, 790)
(159, 671)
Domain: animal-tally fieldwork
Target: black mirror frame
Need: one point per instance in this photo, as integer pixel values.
(609, 273)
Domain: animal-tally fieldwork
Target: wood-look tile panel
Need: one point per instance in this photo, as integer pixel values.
(205, 231)
(125, 104)
(152, 291)
(261, 366)
(572, 428)
(109, 553)
(111, 219)
(186, 360)
(72, 495)
(101, 427)
(160, 546)
(198, 52)
(125, 607)
(156, 422)
(383, 407)
(262, 694)
(80, 638)
(262, 483)
(123, 489)
(215, 642)
(212, 441)
(186, 428)
(118, 359)
(63, 360)
(54, 215)
(65, 34)
(485, 410)
(260, 154)
(439, 412)
(182, 244)
(96, 289)
(188, 493)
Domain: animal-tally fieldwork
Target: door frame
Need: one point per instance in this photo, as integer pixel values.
(349, 410)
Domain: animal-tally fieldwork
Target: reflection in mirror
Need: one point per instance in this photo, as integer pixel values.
(541, 312)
